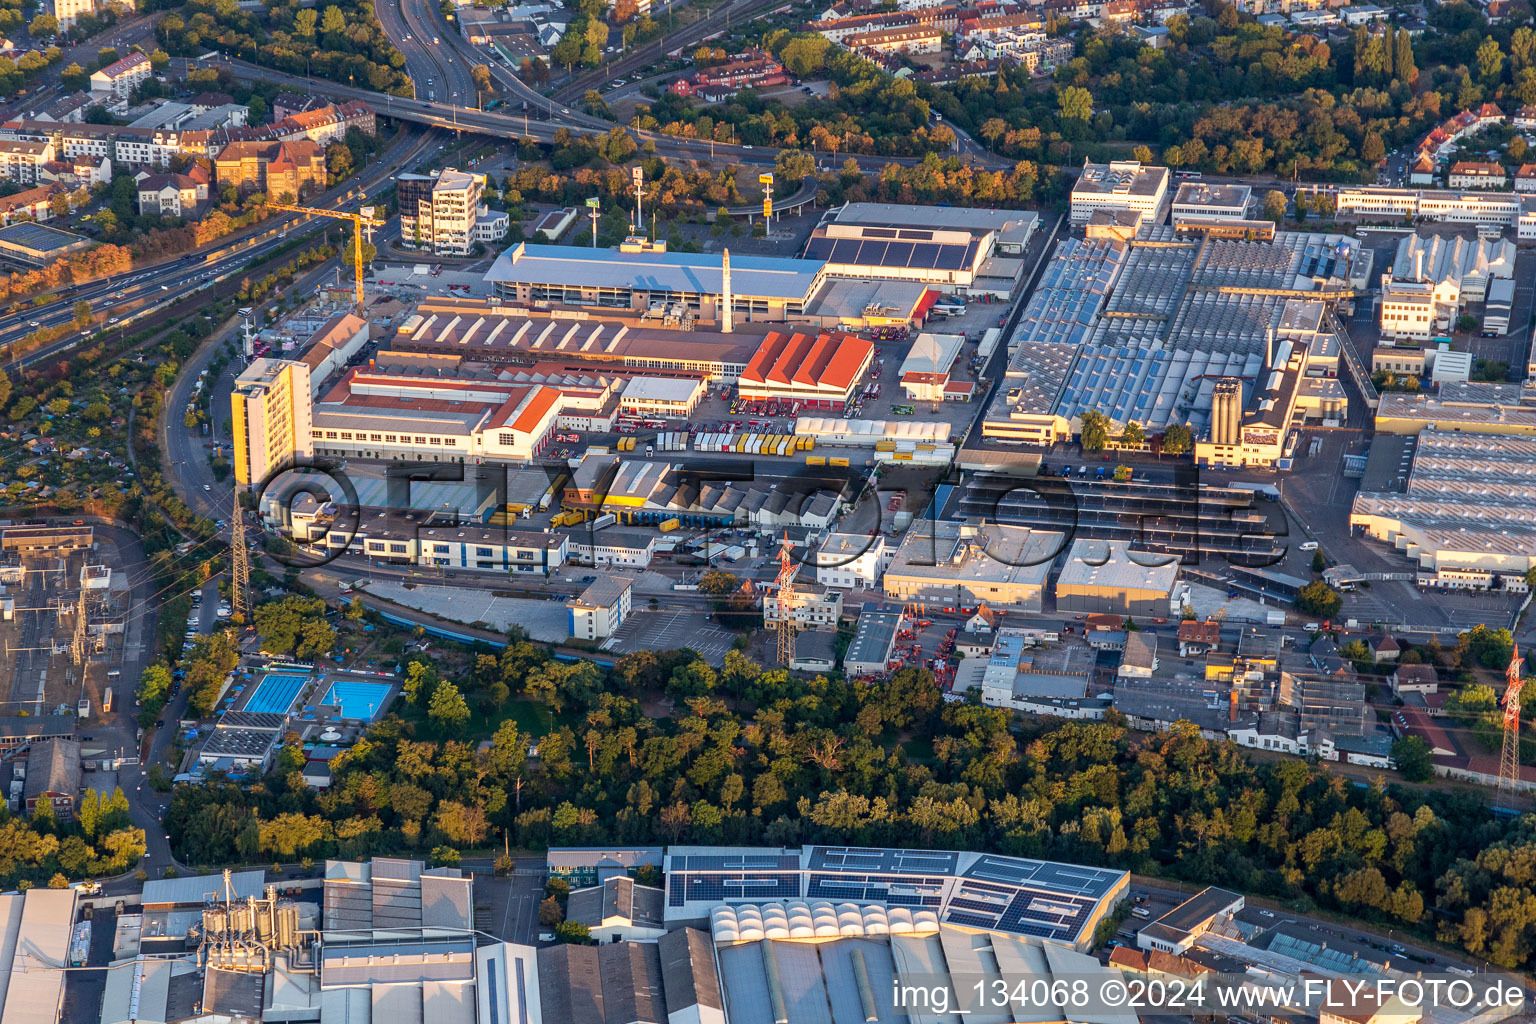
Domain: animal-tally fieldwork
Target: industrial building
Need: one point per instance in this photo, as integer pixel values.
(850, 560)
(1461, 513)
(954, 565)
(874, 640)
(762, 288)
(1012, 229)
(1120, 185)
(1107, 576)
(601, 608)
(818, 370)
(1471, 407)
(925, 372)
(35, 932)
(947, 259)
(618, 909)
(1434, 277)
(1058, 904)
(1143, 330)
(1197, 201)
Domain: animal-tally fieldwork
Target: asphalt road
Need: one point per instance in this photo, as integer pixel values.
(456, 117)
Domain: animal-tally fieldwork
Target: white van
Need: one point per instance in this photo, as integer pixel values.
(1141, 912)
(1310, 545)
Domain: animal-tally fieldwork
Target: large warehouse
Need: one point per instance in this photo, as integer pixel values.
(1463, 510)
(1142, 331)
(818, 369)
(1107, 576)
(763, 288)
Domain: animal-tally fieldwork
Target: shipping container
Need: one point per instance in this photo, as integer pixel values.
(835, 461)
(815, 460)
(606, 519)
(668, 525)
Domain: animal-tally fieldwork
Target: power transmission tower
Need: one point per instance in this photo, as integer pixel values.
(786, 599)
(1509, 761)
(240, 569)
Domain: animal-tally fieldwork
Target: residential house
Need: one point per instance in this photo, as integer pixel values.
(32, 204)
(1198, 638)
(1414, 679)
(983, 622)
(1413, 722)
(1525, 178)
(169, 195)
(22, 160)
(1384, 648)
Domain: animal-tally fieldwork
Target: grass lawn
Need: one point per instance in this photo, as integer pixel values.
(530, 718)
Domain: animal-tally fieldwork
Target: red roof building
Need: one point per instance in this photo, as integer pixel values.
(751, 70)
(821, 370)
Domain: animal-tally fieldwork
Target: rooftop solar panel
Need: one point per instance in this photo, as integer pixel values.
(899, 254)
(925, 255)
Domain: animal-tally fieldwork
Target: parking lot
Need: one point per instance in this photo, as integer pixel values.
(509, 907)
(670, 630)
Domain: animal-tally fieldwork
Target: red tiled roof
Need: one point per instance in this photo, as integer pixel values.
(1200, 632)
(1416, 723)
(827, 360)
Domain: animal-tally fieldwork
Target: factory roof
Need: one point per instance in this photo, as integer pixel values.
(872, 638)
(1199, 193)
(661, 389)
(688, 273)
(604, 592)
(828, 359)
(620, 897)
(962, 554)
(53, 767)
(38, 926)
(932, 354)
(194, 890)
(897, 215)
(1453, 258)
(239, 743)
(1111, 564)
(1120, 177)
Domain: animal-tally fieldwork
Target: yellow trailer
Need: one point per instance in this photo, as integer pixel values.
(835, 461)
(815, 460)
(668, 525)
(807, 443)
(885, 446)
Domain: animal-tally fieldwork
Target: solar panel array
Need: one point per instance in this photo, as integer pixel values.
(863, 858)
(896, 890)
(731, 887)
(879, 252)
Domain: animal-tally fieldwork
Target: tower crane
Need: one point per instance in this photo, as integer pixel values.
(363, 218)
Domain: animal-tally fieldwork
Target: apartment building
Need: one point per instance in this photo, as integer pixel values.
(21, 160)
(277, 168)
(69, 11)
(272, 418)
(118, 79)
(443, 213)
(750, 70)
(1472, 174)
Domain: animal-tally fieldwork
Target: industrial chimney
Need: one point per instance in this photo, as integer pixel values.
(1227, 411)
(726, 317)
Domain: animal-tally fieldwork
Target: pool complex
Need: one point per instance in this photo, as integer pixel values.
(276, 694)
(358, 700)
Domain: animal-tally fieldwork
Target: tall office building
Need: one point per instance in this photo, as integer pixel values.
(442, 213)
(272, 416)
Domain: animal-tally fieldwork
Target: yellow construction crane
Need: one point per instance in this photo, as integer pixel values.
(363, 218)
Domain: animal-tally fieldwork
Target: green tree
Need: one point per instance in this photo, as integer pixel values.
(1177, 439)
(1076, 103)
(1490, 60)
(1318, 598)
(1411, 755)
(1274, 205)
(1133, 434)
(83, 315)
(448, 707)
(1094, 434)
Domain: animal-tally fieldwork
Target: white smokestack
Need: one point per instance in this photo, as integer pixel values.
(727, 321)
(1418, 263)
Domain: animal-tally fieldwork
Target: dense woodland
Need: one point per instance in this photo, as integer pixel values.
(753, 756)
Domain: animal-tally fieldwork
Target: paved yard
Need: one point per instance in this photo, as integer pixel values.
(546, 621)
(669, 630)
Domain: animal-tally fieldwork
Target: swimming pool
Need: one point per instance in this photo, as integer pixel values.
(360, 701)
(276, 694)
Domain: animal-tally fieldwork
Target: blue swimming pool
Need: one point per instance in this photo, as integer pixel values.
(276, 694)
(358, 700)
